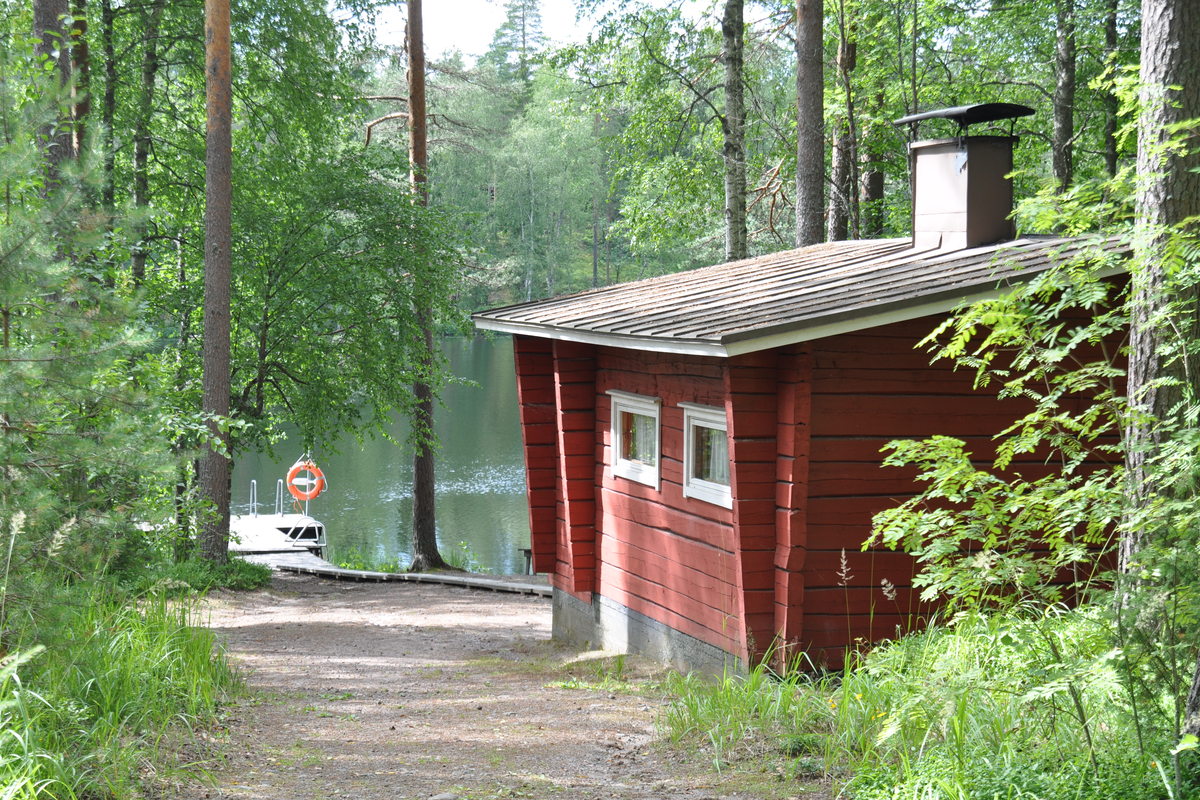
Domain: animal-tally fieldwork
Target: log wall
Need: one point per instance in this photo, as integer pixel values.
(869, 388)
(669, 557)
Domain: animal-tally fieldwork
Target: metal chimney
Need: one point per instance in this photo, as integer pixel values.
(962, 196)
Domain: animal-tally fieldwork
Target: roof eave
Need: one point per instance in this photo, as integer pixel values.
(751, 341)
(694, 347)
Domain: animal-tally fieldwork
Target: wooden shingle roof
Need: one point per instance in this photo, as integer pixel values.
(788, 297)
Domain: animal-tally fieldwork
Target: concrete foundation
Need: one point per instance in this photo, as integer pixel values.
(605, 624)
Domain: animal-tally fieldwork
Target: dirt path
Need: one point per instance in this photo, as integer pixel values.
(422, 691)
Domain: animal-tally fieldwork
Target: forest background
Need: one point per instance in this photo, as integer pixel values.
(670, 138)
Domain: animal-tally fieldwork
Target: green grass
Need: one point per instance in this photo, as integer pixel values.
(1002, 708)
(80, 714)
(460, 557)
(198, 575)
(354, 558)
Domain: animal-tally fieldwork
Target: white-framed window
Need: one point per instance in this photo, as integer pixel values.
(635, 437)
(705, 455)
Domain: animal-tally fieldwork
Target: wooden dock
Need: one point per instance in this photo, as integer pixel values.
(308, 564)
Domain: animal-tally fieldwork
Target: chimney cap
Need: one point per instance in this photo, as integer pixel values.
(969, 115)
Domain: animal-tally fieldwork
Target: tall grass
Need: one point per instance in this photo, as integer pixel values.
(79, 716)
(1026, 707)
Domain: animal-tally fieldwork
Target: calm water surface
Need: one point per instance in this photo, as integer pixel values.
(480, 473)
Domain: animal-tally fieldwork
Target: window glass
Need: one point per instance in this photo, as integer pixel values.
(635, 437)
(712, 455)
(706, 455)
(639, 438)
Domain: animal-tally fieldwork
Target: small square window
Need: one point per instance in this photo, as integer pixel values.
(635, 447)
(706, 455)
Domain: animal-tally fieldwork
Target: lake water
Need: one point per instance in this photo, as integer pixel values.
(480, 473)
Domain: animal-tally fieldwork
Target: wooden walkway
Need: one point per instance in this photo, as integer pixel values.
(308, 564)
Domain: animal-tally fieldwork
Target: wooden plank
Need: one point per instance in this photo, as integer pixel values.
(707, 578)
(790, 558)
(725, 634)
(681, 604)
(624, 508)
(857, 415)
(869, 568)
(679, 545)
(861, 600)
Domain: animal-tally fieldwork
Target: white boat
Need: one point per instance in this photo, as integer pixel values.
(275, 533)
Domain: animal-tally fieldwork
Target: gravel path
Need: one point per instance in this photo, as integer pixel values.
(422, 691)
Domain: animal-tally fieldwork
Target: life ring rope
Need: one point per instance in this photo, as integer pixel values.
(307, 487)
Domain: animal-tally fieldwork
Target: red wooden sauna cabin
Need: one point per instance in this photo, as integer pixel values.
(703, 448)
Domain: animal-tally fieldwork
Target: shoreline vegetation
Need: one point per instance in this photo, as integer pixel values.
(1033, 705)
(100, 684)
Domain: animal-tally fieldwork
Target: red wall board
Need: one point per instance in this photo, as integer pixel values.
(687, 553)
(862, 600)
(760, 601)
(842, 511)
(757, 537)
(576, 421)
(750, 510)
(870, 449)
(580, 443)
(789, 587)
(895, 382)
(825, 630)
(708, 581)
(543, 414)
(576, 397)
(726, 637)
(541, 434)
(757, 419)
(747, 452)
(623, 508)
(759, 562)
(712, 582)
(854, 415)
(760, 635)
(790, 559)
(723, 622)
(791, 492)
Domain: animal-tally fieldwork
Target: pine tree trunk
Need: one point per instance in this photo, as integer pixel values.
(1168, 193)
(50, 35)
(141, 135)
(1111, 104)
(734, 125)
(215, 467)
(425, 555)
(843, 195)
(873, 158)
(837, 223)
(81, 99)
(810, 121)
(108, 106)
(1062, 145)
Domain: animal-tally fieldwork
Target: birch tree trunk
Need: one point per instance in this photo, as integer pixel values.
(215, 465)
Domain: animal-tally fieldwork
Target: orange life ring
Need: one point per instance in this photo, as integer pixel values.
(316, 484)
